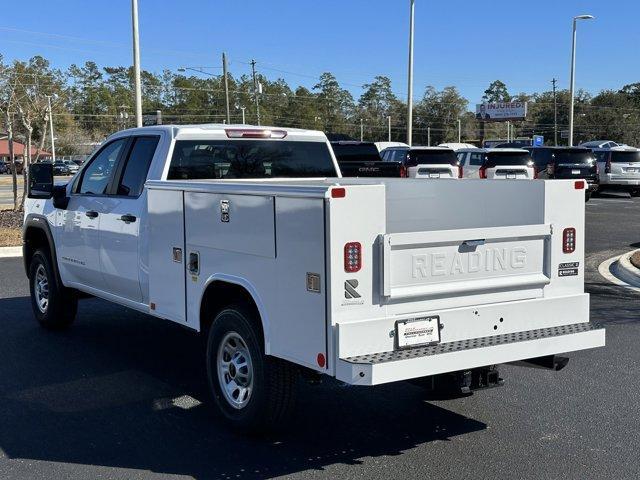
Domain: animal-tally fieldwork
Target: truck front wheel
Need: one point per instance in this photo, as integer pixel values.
(54, 306)
(254, 392)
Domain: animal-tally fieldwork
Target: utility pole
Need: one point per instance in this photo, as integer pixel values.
(428, 136)
(255, 89)
(410, 75)
(53, 144)
(226, 85)
(389, 124)
(555, 114)
(361, 130)
(459, 131)
(136, 62)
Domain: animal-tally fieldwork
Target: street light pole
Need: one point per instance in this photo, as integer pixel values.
(136, 61)
(572, 82)
(555, 114)
(389, 125)
(226, 85)
(459, 131)
(410, 86)
(53, 144)
(243, 122)
(361, 130)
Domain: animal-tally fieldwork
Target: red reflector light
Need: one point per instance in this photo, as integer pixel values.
(254, 133)
(338, 193)
(579, 185)
(482, 172)
(352, 257)
(321, 360)
(569, 240)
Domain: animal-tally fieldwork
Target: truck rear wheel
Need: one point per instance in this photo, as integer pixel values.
(54, 306)
(254, 392)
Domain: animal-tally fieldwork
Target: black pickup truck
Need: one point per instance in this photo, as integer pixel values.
(362, 159)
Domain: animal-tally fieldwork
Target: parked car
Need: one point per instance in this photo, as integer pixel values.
(567, 163)
(425, 162)
(60, 168)
(384, 145)
(362, 159)
(369, 281)
(619, 168)
(497, 163)
(4, 167)
(600, 144)
(72, 166)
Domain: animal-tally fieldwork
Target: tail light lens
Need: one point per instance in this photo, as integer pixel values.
(459, 171)
(254, 133)
(403, 171)
(535, 172)
(607, 166)
(482, 172)
(569, 240)
(352, 257)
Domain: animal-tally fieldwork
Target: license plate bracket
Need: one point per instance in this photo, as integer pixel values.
(420, 331)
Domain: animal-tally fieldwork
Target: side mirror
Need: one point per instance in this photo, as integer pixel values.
(40, 180)
(60, 198)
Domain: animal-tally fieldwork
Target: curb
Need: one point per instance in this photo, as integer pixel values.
(10, 252)
(626, 271)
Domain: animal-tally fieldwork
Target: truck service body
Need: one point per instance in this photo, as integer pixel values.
(366, 280)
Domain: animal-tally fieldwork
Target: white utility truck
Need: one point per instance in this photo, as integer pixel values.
(249, 236)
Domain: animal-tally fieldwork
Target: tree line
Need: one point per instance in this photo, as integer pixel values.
(90, 102)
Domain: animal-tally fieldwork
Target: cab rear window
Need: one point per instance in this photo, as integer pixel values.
(226, 159)
(573, 156)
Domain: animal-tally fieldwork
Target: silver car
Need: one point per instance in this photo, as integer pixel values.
(619, 169)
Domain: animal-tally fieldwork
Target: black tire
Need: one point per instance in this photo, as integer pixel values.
(587, 196)
(62, 303)
(274, 381)
(635, 193)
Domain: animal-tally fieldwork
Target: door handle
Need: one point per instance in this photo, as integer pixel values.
(91, 213)
(128, 218)
(474, 243)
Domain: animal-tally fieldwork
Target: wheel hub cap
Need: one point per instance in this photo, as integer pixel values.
(235, 370)
(41, 288)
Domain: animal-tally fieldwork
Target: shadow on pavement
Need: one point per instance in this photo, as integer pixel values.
(123, 390)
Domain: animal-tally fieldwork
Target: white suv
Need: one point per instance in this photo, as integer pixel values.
(497, 163)
(619, 168)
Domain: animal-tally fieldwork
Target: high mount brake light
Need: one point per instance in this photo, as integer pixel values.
(254, 133)
(569, 240)
(352, 257)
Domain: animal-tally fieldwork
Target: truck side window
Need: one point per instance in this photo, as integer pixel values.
(96, 176)
(137, 167)
(476, 159)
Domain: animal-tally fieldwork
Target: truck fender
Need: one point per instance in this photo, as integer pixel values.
(39, 222)
(250, 289)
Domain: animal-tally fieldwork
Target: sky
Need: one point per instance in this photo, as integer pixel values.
(464, 43)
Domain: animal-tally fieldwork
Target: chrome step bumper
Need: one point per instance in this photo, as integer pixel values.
(384, 367)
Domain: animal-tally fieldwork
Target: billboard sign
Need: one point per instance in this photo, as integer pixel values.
(501, 111)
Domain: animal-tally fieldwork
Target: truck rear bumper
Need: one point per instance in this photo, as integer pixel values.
(385, 367)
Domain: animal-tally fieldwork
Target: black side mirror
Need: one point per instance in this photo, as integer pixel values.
(40, 180)
(60, 197)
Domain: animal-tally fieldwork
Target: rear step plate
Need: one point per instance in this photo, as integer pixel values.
(415, 362)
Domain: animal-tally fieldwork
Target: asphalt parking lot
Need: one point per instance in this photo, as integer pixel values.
(121, 395)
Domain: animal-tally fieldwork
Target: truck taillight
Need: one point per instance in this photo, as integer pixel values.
(482, 172)
(254, 133)
(569, 240)
(403, 172)
(535, 172)
(352, 257)
(459, 171)
(607, 166)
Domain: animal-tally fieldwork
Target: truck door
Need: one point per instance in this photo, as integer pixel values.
(122, 227)
(80, 222)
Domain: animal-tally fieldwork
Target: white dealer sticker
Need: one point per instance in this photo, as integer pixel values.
(418, 331)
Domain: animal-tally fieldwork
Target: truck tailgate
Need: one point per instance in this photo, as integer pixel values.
(465, 261)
